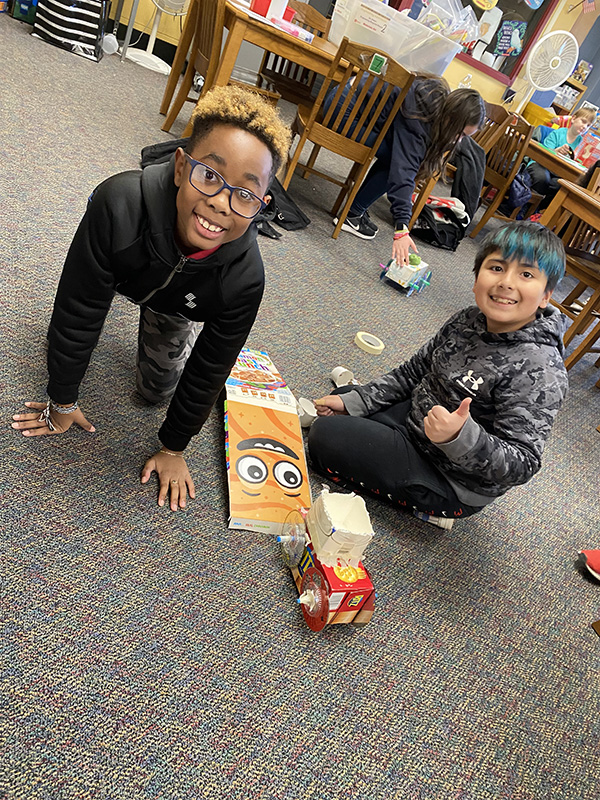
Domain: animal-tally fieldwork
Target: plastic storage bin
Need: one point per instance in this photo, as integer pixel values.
(413, 45)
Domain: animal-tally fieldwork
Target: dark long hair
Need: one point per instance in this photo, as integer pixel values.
(449, 114)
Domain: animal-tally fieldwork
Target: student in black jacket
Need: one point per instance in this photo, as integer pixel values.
(177, 239)
(421, 139)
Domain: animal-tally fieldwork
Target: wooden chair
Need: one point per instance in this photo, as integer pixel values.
(502, 164)
(496, 119)
(345, 130)
(293, 82)
(183, 46)
(204, 58)
(581, 238)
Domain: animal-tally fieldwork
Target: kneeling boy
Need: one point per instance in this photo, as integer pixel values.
(177, 240)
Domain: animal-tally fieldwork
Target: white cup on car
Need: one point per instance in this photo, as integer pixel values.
(342, 376)
(306, 412)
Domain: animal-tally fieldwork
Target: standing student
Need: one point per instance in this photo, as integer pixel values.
(420, 141)
(467, 417)
(177, 240)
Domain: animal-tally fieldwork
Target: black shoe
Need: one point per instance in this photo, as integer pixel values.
(359, 226)
(370, 222)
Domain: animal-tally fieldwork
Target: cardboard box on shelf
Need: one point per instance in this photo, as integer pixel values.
(589, 150)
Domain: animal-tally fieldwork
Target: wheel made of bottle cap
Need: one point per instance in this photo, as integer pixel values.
(314, 599)
(293, 538)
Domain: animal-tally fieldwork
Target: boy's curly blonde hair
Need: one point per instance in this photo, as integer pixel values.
(233, 105)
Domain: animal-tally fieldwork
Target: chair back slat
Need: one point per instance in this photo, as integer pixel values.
(355, 115)
(309, 18)
(505, 157)
(496, 120)
(209, 34)
(360, 107)
(354, 106)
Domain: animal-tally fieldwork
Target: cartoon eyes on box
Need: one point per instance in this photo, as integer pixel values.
(267, 467)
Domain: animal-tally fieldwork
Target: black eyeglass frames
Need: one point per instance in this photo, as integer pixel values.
(209, 182)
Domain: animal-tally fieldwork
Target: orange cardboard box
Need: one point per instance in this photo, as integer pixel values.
(266, 465)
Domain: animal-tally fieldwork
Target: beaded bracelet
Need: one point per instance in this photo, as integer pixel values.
(401, 232)
(63, 409)
(169, 453)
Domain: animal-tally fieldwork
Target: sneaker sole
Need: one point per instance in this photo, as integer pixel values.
(446, 523)
(350, 229)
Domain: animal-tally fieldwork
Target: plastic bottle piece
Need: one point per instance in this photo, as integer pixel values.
(308, 599)
(466, 82)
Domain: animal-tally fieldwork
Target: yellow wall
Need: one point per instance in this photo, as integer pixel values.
(169, 29)
(492, 90)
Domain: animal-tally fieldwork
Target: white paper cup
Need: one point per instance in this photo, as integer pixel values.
(306, 412)
(341, 376)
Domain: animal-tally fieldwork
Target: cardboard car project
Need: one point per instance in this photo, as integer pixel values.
(414, 276)
(266, 464)
(324, 547)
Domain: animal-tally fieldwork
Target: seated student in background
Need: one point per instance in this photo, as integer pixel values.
(178, 240)
(467, 417)
(420, 141)
(564, 141)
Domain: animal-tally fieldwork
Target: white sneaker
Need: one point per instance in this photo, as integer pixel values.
(440, 522)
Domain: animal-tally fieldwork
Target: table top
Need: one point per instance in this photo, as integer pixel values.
(572, 199)
(560, 165)
(241, 9)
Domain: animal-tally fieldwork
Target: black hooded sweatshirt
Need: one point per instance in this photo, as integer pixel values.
(126, 244)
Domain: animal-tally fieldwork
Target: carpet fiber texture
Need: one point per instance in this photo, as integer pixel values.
(151, 655)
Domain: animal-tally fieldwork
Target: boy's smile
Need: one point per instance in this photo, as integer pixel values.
(205, 222)
(509, 293)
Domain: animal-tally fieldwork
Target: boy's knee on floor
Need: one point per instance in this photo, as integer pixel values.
(152, 395)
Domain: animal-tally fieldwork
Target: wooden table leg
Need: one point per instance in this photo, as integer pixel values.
(229, 54)
(185, 39)
(551, 214)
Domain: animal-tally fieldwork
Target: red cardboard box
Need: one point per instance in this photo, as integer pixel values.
(349, 591)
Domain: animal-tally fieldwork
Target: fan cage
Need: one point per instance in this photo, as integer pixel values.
(552, 60)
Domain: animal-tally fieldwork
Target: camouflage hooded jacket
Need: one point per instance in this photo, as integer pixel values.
(517, 382)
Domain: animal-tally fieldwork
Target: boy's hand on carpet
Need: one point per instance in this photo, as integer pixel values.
(329, 405)
(442, 426)
(34, 425)
(173, 476)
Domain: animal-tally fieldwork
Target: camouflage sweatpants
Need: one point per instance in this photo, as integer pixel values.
(164, 344)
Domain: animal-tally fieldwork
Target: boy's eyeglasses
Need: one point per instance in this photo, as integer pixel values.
(207, 181)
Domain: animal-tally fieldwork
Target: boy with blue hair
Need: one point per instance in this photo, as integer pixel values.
(467, 417)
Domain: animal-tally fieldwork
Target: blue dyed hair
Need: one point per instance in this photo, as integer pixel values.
(527, 241)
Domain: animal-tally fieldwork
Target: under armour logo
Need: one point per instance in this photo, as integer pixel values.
(190, 300)
(475, 382)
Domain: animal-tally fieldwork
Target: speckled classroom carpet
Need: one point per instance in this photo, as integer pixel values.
(151, 655)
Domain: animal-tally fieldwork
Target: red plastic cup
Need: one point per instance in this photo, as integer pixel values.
(260, 7)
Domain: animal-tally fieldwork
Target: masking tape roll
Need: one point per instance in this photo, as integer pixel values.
(369, 343)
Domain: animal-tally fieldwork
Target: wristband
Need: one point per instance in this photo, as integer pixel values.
(63, 409)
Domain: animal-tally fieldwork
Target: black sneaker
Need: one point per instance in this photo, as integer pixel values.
(359, 226)
(370, 222)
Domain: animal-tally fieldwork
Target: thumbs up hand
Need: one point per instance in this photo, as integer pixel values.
(443, 426)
